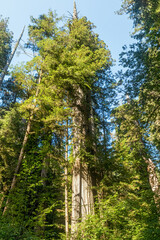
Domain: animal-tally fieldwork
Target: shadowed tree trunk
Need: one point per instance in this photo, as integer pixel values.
(21, 155)
(66, 187)
(82, 194)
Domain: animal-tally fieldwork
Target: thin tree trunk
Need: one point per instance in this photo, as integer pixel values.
(44, 171)
(40, 225)
(2, 198)
(40, 228)
(4, 188)
(21, 155)
(66, 187)
(10, 59)
(14, 180)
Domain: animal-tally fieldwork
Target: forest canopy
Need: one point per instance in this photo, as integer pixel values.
(74, 162)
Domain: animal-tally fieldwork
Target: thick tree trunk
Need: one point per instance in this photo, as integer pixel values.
(153, 178)
(154, 182)
(82, 193)
(21, 155)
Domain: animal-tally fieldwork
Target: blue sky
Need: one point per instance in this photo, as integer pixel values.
(113, 29)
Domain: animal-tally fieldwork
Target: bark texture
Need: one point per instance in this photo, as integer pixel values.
(82, 193)
(154, 182)
(66, 188)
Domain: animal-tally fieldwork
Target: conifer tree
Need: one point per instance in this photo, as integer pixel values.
(5, 42)
(34, 107)
(142, 59)
(127, 209)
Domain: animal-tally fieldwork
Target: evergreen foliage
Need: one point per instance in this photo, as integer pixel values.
(56, 127)
(5, 42)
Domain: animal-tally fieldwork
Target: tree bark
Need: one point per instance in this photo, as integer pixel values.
(66, 187)
(10, 59)
(82, 194)
(2, 198)
(154, 182)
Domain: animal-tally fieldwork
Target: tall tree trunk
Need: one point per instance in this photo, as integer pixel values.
(82, 193)
(41, 217)
(10, 59)
(154, 182)
(21, 155)
(153, 178)
(66, 187)
(40, 228)
(4, 187)
(2, 198)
